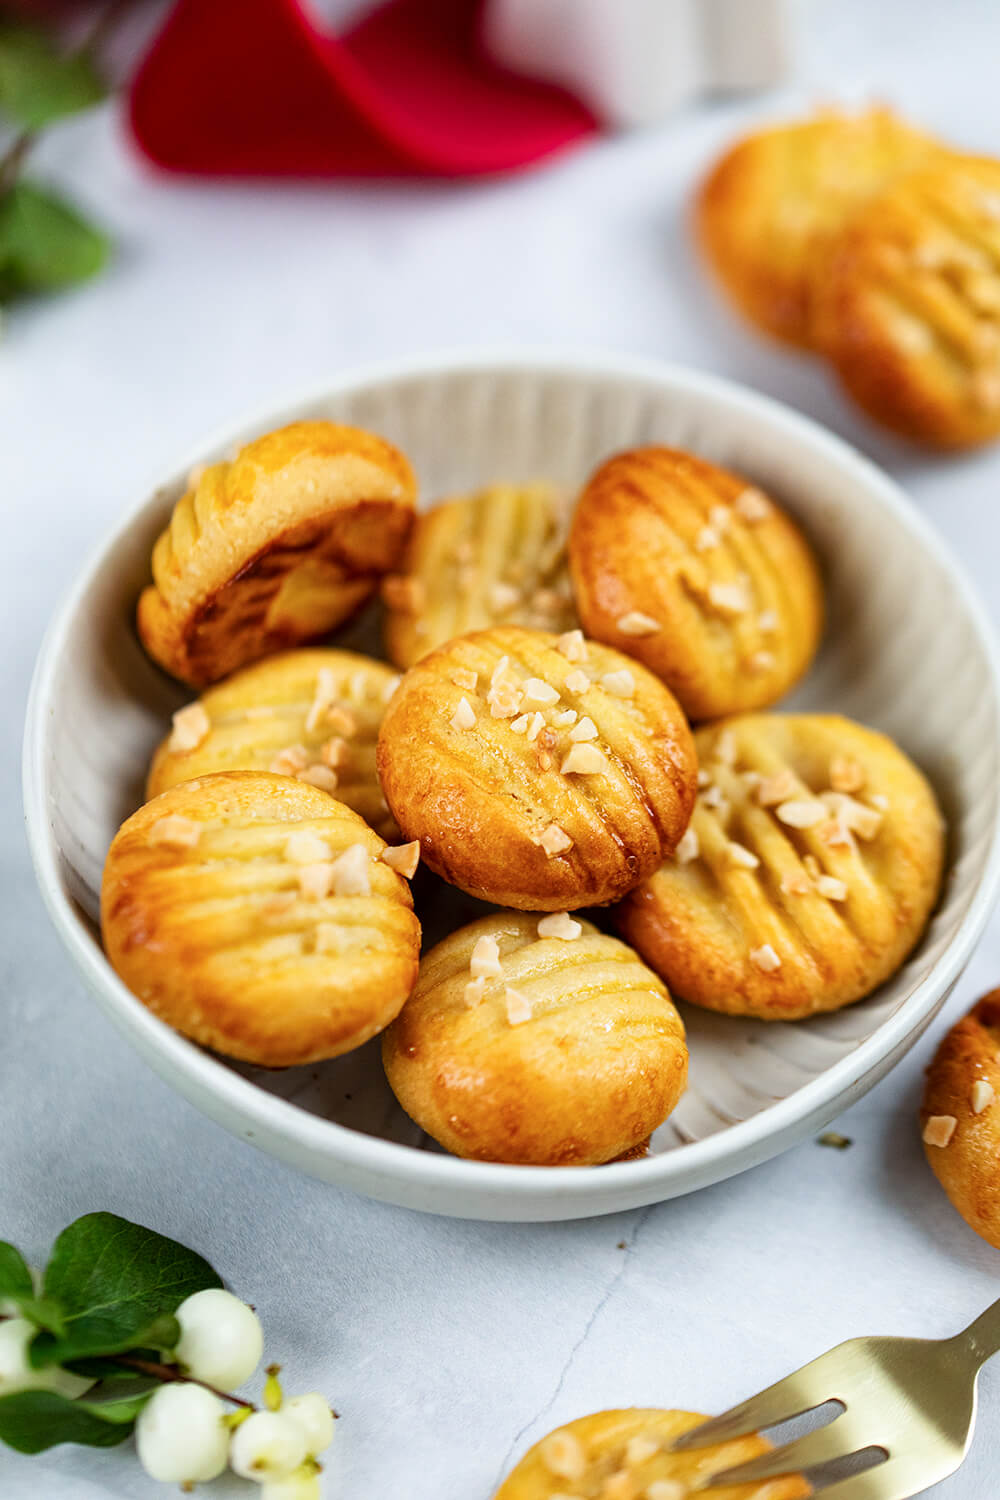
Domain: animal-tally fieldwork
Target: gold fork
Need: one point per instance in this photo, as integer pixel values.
(908, 1407)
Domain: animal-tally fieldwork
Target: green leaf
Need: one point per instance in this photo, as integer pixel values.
(119, 1286)
(38, 83)
(44, 243)
(45, 1312)
(106, 1367)
(15, 1277)
(33, 1420)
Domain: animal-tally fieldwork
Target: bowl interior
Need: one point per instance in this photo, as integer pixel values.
(904, 651)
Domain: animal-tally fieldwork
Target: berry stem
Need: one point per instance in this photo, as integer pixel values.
(169, 1373)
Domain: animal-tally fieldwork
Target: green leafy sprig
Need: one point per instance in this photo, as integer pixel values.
(105, 1310)
(45, 242)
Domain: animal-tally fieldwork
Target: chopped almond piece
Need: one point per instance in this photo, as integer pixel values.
(342, 721)
(562, 1454)
(278, 904)
(518, 1007)
(846, 775)
(620, 684)
(319, 775)
(796, 884)
(585, 730)
(535, 727)
(544, 746)
(572, 645)
(640, 1449)
(520, 725)
(559, 924)
(704, 777)
(778, 788)
(334, 752)
(707, 539)
(739, 854)
(725, 748)
(584, 760)
(688, 847)
(752, 505)
(474, 990)
(323, 696)
(567, 717)
(485, 960)
(403, 858)
(315, 880)
(464, 716)
(637, 624)
(714, 796)
(761, 661)
(767, 621)
(352, 872)
(500, 671)
(765, 959)
(812, 864)
(666, 1489)
(504, 596)
(939, 1130)
(835, 834)
(879, 800)
(174, 832)
(463, 678)
(191, 725)
(862, 820)
(729, 598)
(504, 700)
(303, 847)
(538, 694)
(290, 761)
(832, 888)
(801, 813)
(983, 1095)
(577, 682)
(554, 840)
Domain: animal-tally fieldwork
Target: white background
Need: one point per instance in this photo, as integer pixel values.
(449, 1346)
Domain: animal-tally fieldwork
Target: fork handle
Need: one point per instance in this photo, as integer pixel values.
(982, 1337)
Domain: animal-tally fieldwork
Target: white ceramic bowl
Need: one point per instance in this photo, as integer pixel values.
(907, 649)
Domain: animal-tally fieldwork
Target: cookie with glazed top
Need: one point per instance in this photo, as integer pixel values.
(538, 771)
(960, 1117)
(699, 575)
(626, 1455)
(811, 866)
(770, 211)
(275, 548)
(259, 917)
(313, 714)
(497, 557)
(537, 1039)
(910, 307)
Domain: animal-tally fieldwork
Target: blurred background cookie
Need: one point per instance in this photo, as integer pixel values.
(259, 916)
(697, 574)
(808, 873)
(537, 771)
(909, 311)
(537, 1040)
(274, 549)
(625, 1455)
(313, 714)
(960, 1117)
(495, 557)
(770, 209)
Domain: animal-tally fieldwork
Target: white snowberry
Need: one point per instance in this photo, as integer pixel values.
(295, 1487)
(268, 1445)
(181, 1434)
(312, 1413)
(221, 1340)
(16, 1373)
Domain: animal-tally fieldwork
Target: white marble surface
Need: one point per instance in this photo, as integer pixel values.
(448, 1346)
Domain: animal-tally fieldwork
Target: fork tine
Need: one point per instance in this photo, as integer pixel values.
(797, 1393)
(817, 1447)
(898, 1479)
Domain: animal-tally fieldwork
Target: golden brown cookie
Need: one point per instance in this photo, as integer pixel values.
(497, 557)
(536, 1040)
(772, 207)
(313, 714)
(960, 1117)
(538, 771)
(910, 307)
(625, 1455)
(260, 917)
(811, 866)
(697, 574)
(276, 548)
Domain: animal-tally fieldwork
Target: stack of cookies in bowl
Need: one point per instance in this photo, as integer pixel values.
(576, 728)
